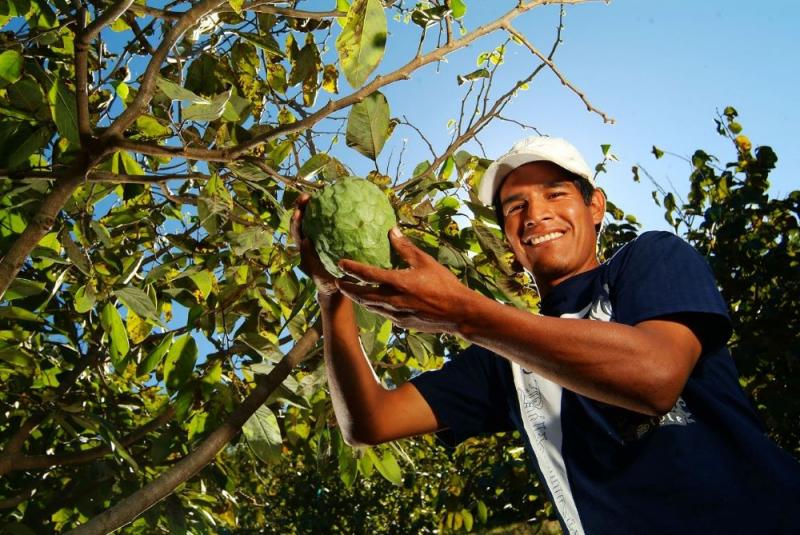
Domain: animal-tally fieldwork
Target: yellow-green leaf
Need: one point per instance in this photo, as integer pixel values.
(10, 67)
(118, 336)
(180, 362)
(64, 111)
(154, 358)
(363, 40)
(263, 435)
(138, 301)
(368, 125)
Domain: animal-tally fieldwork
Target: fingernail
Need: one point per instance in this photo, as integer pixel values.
(395, 232)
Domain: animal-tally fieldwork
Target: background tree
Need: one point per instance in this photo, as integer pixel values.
(152, 307)
(752, 241)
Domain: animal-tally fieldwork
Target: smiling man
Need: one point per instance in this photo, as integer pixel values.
(623, 388)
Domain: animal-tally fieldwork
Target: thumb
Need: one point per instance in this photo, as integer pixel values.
(407, 250)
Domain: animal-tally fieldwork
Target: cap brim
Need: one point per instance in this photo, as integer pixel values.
(498, 171)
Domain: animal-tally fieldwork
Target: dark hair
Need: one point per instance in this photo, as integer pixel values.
(583, 185)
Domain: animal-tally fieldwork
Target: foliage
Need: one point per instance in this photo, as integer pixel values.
(752, 242)
(153, 319)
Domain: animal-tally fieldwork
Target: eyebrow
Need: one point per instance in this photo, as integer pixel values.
(518, 196)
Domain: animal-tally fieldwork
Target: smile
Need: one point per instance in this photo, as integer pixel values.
(536, 240)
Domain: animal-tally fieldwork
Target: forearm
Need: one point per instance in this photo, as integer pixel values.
(614, 363)
(354, 387)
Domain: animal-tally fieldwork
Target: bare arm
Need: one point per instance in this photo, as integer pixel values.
(367, 412)
(641, 368)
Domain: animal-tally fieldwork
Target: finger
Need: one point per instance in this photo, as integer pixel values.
(295, 227)
(367, 273)
(409, 252)
(372, 296)
(296, 222)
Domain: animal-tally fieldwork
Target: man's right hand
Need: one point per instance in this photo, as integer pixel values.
(309, 260)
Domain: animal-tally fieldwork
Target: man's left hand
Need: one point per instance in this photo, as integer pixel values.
(426, 296)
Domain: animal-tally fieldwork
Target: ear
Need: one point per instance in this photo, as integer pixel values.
(598, 206)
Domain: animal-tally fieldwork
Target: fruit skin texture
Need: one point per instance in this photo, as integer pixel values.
(350, 219)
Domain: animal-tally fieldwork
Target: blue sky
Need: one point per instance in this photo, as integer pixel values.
(660, 69)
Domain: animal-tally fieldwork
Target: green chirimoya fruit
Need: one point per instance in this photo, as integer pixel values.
(350, 219)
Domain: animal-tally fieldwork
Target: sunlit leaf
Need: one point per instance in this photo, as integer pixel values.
(263, 435)
(10, 67)
(138, 301)
(64, 111)
(368, 125)
(118, 336)
(362, 41)
(180, 362)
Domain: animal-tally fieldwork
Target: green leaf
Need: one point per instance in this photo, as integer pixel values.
(180, 362)
(363, 40)
(129, 164)
(176, 92)
(210, 111)
(368, 125)
(21, 288)
(17, 356)
(150, 127)
(204, 280)
(658, 153)
(249, 239)
(118, 336)
(468, 520)
(75, 254)
(263, 435)
(348, 464)
(18, 313)
(138, 301)
(85, 298)
(474, 75)
(387, 466)
(483, 512)
(64, 111)
(154, 358)
(10, 67)
(236, 5)
(492, 245)
(458, 8)
(263, 41)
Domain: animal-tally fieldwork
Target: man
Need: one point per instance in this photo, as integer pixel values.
(623, 388)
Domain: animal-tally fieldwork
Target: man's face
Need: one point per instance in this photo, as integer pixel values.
(547, 223)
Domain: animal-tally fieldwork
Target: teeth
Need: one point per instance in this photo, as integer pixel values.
(536, 240)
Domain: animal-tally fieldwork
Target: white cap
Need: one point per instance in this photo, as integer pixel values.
(532, 149)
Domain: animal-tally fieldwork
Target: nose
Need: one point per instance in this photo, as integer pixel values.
(536, 213)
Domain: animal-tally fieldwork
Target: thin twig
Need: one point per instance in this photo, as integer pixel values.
(524, 40)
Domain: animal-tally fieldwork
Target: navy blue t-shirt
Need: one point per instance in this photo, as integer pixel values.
(705, 467)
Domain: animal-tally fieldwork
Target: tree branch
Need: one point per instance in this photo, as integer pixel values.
(40, 225)
(524, 40)
(191, 153)
(147, 84)
(403, 73)
(295, 13)
(155, 12)
(82, 41)
(39, 462)
(113, 178)
(141, 500)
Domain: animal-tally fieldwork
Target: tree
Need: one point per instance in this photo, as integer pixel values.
(151, 157)
(752, 242)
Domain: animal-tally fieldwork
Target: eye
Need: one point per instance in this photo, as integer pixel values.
(555, 194)
(513, 208)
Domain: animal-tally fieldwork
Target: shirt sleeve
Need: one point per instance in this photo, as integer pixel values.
(661, 275)
(467, 395)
